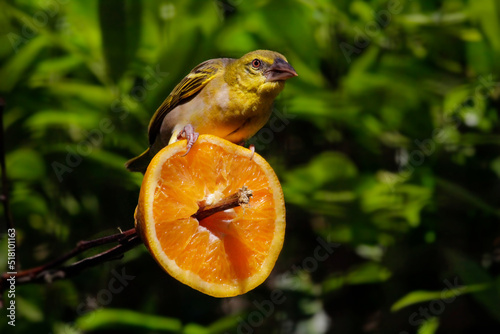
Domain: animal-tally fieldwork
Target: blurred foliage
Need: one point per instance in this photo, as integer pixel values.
(387, 143)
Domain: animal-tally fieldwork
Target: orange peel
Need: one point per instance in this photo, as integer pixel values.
(229, 252)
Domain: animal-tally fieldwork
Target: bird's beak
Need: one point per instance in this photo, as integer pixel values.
(279, 70)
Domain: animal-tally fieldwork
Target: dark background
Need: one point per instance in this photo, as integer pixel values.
(387, 146)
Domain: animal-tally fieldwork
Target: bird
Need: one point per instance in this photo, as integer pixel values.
(226, 97)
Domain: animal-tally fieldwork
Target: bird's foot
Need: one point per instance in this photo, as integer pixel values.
(251, 148)
(188, 134)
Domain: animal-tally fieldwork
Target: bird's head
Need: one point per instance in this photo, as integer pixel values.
(262, 71)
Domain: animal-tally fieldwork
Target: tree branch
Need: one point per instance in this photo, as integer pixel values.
(81, 247)
(51, 271)
(46, 273)
(50, 275)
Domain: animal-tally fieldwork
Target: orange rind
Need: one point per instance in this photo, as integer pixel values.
(229, 252)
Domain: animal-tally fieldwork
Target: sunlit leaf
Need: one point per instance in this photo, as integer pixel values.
(367, 273)
(25, 165)
(420, 296)
(486, 13)
(16, 67)
(110, 318)
(46, 119)
(430, 326)
(327, 168)
(195, 329)
(224, 324)
(28, 310)
(63, 328)
(473, 274)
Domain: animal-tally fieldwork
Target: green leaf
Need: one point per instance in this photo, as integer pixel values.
(495, 166)
(366, 273)
(29, 310)
(303, 186)
(25, 164)
(110, 318)
(224, 324)
(369, 272)
(195, 329)
(486, 13)
(388, 205)
(120, 23)
(472, 273)
(430, 326)
(63, 328)
(51, 70)
(93, 94)
(49, 119)
(17, 66)
(323, 169)
(363, 10)
(421, 296)
(415, 297)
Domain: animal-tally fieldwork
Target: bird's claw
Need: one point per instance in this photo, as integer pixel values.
(252, 148)
(191, 137)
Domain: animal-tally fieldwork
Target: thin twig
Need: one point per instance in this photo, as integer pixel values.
(241, 197)
(46, 273)
(50, 275)
(81, 247)
(127, 240)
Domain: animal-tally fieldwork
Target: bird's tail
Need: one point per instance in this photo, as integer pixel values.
(139, 163)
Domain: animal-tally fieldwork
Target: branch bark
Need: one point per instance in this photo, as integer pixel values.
(241, 197)
(48, 273)
(126, 240)
(81, 247)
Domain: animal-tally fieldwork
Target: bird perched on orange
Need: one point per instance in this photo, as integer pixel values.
(225, 97)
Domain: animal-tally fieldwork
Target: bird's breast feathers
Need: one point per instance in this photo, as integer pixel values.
(220, 109)
(235, 115)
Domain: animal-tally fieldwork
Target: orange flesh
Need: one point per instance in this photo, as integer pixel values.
(227, 246)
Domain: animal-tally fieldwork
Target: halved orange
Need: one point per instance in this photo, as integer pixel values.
(229, 252)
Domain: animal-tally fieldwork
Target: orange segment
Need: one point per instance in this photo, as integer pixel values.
(229, 252)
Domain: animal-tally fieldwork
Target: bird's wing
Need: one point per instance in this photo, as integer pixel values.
(187, 88)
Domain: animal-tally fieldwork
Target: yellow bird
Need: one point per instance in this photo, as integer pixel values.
(225, 97)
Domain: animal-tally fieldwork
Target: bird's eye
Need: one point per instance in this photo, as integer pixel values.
(256, 63)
